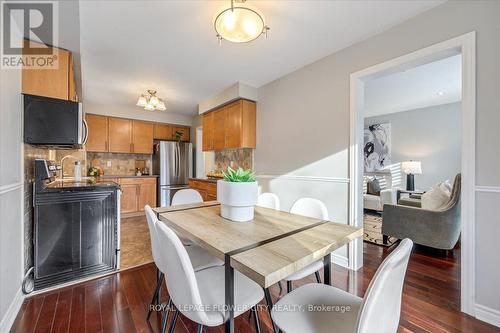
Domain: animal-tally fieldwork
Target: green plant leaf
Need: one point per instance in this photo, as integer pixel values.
(238, 176)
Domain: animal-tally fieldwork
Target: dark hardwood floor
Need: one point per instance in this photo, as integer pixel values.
(118, 303)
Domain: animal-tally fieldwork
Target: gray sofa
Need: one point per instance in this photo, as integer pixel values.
(439, 229)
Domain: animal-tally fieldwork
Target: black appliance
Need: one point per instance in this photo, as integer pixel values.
(75, 227)
(53, 122)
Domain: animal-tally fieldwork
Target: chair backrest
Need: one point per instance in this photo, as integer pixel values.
(186, 196)
(151, 217)
(268, 200)
(381, 307)
(310, 207)
(455, 194)
(179, 274)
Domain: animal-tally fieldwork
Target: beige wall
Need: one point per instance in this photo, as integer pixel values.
(303, 118)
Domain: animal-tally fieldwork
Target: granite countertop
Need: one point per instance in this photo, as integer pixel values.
(206, 179)
(82, 185)
(127, 176)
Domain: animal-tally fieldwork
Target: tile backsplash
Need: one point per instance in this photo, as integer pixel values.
(118, 164)
(234, 158)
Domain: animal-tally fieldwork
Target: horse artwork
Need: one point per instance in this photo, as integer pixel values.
(377, 150)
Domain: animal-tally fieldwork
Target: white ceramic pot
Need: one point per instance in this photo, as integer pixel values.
(237, 200)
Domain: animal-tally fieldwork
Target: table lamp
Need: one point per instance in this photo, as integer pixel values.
(411, 168)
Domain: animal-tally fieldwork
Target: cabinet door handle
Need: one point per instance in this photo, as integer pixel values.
(131, 147)
(106, 148)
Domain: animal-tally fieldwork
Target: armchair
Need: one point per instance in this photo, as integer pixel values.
(388, 195)
(435, 228)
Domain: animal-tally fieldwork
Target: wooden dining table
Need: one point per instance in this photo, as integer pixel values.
(268, 249)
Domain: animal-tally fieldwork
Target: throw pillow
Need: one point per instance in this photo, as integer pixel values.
(436, 197)
(374, 187)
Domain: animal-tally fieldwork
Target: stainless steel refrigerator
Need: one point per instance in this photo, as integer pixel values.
(173, 164)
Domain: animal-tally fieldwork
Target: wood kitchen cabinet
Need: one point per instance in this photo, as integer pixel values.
(57, 82)
(129, 203)
(219, 129)
(120, 135)
(97, 133)
(136, 193)
(183, 130)
(231, 126)
(142, 137)
(162, 132)
(207, 189)
(207, 123)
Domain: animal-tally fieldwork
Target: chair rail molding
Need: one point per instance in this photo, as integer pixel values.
(491, 189)
(307, 178)
(466, 45)
(10, 187)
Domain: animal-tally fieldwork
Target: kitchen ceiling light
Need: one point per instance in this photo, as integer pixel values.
(151, 102)
(239, 24)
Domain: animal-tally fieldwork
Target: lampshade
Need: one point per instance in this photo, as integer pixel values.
(154, 100)
(412, 167)
(161, 106)
(149, 107)
(239, 24)
(142, 101)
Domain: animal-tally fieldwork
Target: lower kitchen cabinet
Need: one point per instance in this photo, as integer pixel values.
(136, 193)
(207, 189)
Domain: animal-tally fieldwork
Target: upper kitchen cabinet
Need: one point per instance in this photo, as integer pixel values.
(98, 133)
(231, 126)
(120, 135)
(184, 133)
(207, 123)
(142, 137)
(162, 132)
(57, 82)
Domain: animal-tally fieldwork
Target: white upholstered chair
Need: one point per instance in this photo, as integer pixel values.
(377, 312)
(312, 208)
(268, 200)
(200, 259)
(183, 197)
(186, 196)
(199, 295)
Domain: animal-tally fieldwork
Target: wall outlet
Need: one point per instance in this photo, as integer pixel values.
(108, 164)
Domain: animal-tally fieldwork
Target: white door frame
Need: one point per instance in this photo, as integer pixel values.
(466, 45)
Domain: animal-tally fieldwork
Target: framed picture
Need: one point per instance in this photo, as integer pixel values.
(377, 149)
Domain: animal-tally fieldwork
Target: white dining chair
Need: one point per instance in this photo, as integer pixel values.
(377, 312)
(186, 196)
(268, 200)
(200, 258)
(200, 295)
(311, 208)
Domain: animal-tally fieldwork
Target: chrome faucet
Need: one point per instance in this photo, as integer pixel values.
(62, 163)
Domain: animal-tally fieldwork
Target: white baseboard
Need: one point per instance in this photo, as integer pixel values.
(340, 260)
(489, 315)
(12, 311)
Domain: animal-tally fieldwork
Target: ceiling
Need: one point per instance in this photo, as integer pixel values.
(128, 47)
(435, 83)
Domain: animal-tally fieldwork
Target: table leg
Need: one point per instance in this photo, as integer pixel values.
(229, 295)
(327, 266)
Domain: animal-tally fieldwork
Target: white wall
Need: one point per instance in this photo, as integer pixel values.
(11, 196)
(431, 135)
(303, 118)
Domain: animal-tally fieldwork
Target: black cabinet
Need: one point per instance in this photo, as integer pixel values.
(75, 235)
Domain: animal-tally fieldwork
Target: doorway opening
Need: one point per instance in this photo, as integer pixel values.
(461, 49)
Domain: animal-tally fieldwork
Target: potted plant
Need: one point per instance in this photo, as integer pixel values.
(237, 193)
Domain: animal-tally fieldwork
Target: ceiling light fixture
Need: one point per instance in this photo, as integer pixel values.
(151, 102)
(239, 24)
